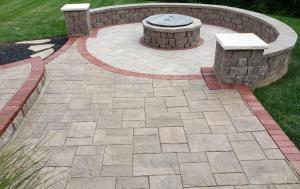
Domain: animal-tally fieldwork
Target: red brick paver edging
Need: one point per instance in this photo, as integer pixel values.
(88, 56)
(12, 114)
(286, 146)
(67, 45)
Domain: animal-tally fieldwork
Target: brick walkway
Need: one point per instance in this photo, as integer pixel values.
(110, 131)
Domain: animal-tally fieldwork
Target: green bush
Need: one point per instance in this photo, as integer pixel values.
(21, 167)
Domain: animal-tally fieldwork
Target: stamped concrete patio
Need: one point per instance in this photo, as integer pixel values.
(110, 131)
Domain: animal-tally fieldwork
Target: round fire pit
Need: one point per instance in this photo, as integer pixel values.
(171, 31)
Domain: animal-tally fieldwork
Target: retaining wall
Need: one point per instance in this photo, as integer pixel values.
(281, 38)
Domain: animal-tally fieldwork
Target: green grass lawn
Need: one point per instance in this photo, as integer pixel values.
(282, 98)
(35, 19)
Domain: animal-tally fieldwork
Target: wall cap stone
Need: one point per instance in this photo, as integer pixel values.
(75, 7)
(240, 41)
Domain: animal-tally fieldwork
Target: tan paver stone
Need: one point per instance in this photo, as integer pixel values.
(155, 164)
(89, 150)
(222, 129)
(128, 103)
(57, 177)
(223, 162)
(264, 140)
(194, 93)
(172, 135)
(110, 119)
(103, 98)
(133, 114)
(175, 148)
(205, 105)
(80, 102)
(195, 126)
(237, 110)
(60, 156)
(208, 142)
(146, 144)
(244, 124)
(231, 179)
(92, 183)
(196, 174)
(116, 170)
(31, 130)
(274, 154)
(217, 118)
(113, 136)
(55, 109)
(55, 98)
(165, 182)
(145, 131)
(133, 124)
(163, 120)
(191, 115)
(269, 172)
(132, 182)
(286, 186)
(86, 166)
(53, 138)
(176, 101)
(168, 91)
(80, 115)
(155, 105)
(253, 187)
(180, 83)
(161, 83)
(240, 136)
(248, 150)
(191, 157)
(79, 141)
(118, 155)
(178, 109)
(124, 90)
(82, 129)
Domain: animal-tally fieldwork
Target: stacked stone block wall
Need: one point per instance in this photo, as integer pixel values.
(78, 22)
(281, 38)
(239, 66)
(177, 40)
(220, 17)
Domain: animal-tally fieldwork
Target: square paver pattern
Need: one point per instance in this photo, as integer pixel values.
(111, 131)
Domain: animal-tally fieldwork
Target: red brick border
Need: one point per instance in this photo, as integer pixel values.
(286, 146)
(67, 45)
(17, 102)
(88, 56)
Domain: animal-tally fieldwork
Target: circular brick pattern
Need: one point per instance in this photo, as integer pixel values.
(182, 37)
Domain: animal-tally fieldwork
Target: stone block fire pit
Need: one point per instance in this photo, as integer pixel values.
(171, 31)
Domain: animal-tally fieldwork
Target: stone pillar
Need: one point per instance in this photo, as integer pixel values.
(238, 58)
(77, 17)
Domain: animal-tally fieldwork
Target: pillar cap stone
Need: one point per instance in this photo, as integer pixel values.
(75, 7)
(240, 41)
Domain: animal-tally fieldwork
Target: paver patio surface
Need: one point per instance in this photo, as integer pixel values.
(11, 79)
(110, 131)
(123, 50)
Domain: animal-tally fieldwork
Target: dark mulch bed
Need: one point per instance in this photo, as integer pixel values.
(10, 52)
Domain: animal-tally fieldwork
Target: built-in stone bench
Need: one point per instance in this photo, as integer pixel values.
(238, 58)
(280, 37)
